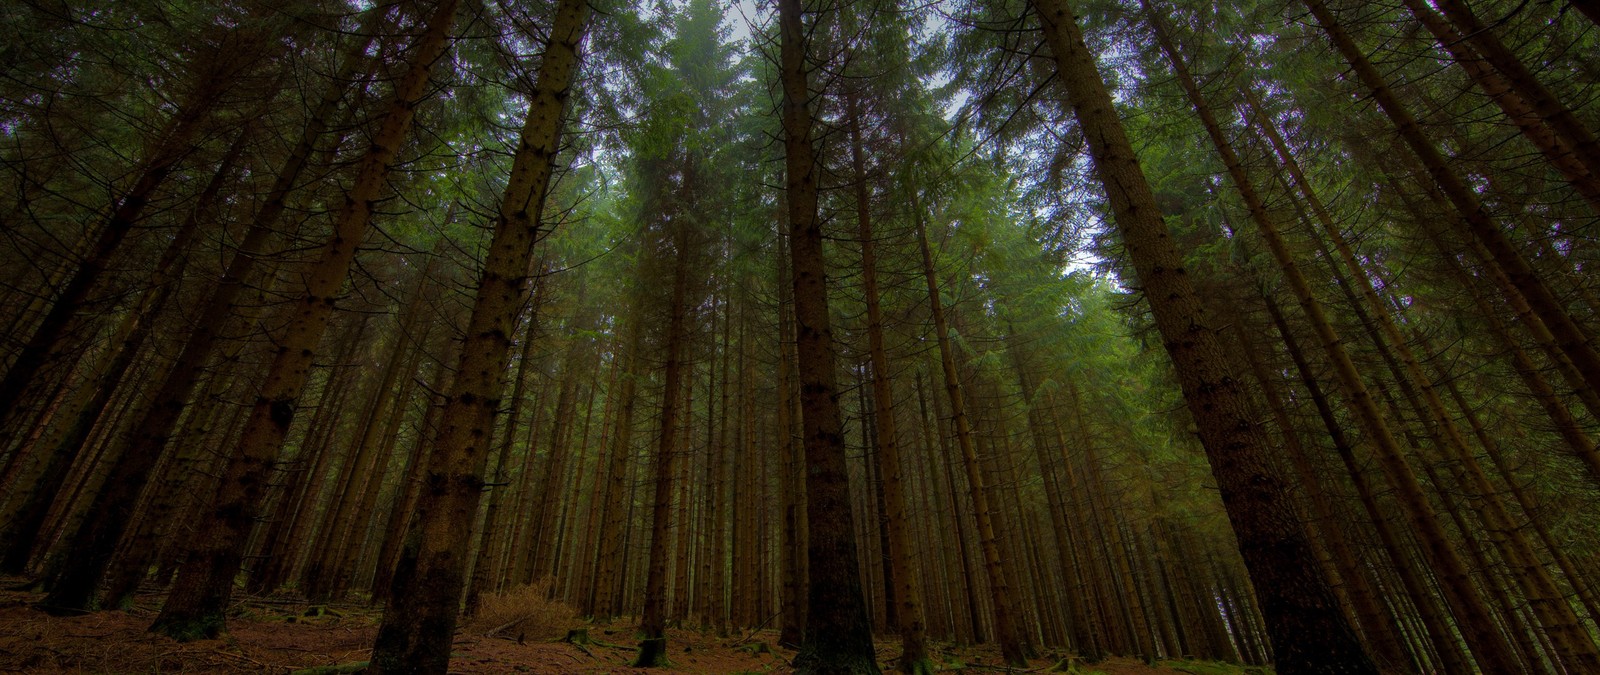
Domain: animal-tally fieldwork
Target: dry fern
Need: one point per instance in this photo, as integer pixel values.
(523, 612)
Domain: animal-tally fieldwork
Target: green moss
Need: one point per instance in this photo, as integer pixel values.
(652, 654)
(188, 629)
(1212, 668)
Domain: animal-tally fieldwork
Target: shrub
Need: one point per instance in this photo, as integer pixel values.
(523, 612)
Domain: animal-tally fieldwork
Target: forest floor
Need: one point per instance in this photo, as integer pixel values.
(284, 636)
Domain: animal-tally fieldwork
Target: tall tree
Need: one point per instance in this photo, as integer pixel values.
(838, 636)
(419, 619)
(1308, 632)
(204, 586)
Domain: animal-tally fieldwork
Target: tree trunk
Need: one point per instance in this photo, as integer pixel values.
(140, 448)
(487, 571)
(1549, 108)
(215, 74)
(1006, 633)
(906, 592)
(62, 446)
(1554, 148)
(1548, 314)
(1436, 624)
(205, 584)
(838, 635)
(1307, 629)
(420, 618)
(792, 559)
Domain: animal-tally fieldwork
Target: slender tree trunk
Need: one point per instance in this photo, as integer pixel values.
(65, 444)
(1011, 643)
(1589, 397)
(715, 564)
(205, 583)
(140, 448)
(409, 492)
(215, 74)
(653, 623)
(683, 555)
(487, 571)
(1436, 624)
(906, 592)
(612, 554)
(1548, 314)
(367, 455)
(1554, 148)
(1549, 108)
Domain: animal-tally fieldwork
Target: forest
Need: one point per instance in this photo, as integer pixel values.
(813, 336)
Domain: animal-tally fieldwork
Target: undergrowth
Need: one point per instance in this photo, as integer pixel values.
(525, 612)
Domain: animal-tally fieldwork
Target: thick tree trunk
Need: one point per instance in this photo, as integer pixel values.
(838, 635)
(792, 542)
(1307, 629)
(1456, 579)
(421, 614)
(1381, 632)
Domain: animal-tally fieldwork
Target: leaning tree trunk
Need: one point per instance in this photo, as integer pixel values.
(487, 572)
(1548, 313)
(838, 636)
(1579, 138)
(215, 74)
(200, 596)
(1454, 573)
(1309, 634)
(420, 619)
(139, 449)
(1435, 623)
(63, 445)
(1555, 149)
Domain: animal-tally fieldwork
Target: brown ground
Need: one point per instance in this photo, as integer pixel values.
(279, 637)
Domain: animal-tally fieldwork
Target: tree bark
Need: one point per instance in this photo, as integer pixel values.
(838, 635)
(1011, 643)
(1307, 630)
(906, 592)
(420, 617)
(200, 596)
